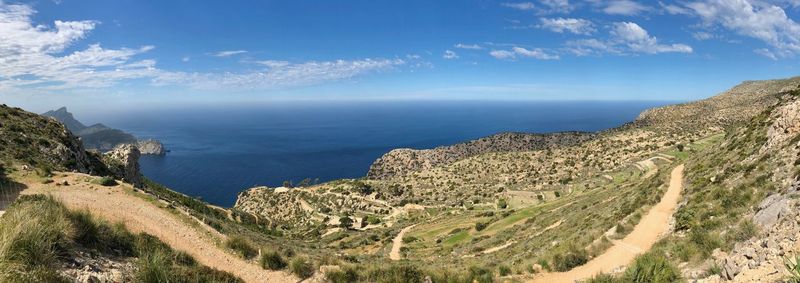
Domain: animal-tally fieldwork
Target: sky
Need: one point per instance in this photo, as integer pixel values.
(92, 54)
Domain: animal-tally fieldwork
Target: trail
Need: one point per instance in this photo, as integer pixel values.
(119, 204)
(650, 228)
(397, 243)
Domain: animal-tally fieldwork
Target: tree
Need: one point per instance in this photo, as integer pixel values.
(502, 204)
(345, 222)
(679, 146)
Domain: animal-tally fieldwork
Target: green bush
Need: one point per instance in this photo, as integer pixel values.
(301, 267)
(394, 273)
(105, 181)
(241, 246)
(572, 258)
(651, 268)
(272, 260)
(480, 226)
(504, 270)
(347, 274)
(153, 267)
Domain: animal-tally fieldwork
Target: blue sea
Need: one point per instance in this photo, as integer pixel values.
(216, 152)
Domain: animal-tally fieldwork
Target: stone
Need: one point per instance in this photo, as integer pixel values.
(770, 211)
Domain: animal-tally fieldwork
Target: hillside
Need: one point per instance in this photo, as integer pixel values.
(101, 137)
(524, 207)
(702, 191)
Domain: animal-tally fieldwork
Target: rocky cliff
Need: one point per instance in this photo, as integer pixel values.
(123, 161)
(404, 160)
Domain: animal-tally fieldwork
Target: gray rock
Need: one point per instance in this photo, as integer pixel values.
(770, 211)
(123, 162)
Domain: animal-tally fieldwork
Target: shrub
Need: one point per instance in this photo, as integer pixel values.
(479, 226)
(301, 267)
(345, 222)
(346, 275)
(480, 275)
(504, 270)
(394, 273)
(651, 268)
(105, 181)
(153, 267)
(572, 258)
(502, 204)
(242, 246)
(272, 260)
(409, 239)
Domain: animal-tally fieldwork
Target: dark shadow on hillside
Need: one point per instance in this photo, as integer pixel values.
(9, 190)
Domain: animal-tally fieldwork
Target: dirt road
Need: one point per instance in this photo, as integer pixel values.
(119, 204)
(397, 243)
(649, 230)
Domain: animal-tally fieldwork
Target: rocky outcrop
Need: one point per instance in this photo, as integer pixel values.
(152, 147)
(123, 162)
(404, 160)
(762, 257)
(92, 267)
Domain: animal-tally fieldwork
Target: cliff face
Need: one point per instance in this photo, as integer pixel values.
(123, 162)
(404, 160)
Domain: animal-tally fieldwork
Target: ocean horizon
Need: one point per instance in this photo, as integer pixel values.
(217, 152)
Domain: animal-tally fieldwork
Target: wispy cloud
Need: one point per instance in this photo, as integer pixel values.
(229, 53)
(516, 52)
(523, 6)
(280, 74)
(621, 7)
(560, 25)
(468, 46)
(450, 54)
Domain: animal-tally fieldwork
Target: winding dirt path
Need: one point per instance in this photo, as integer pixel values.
(650, 228)
(119, 204)
(397, 243)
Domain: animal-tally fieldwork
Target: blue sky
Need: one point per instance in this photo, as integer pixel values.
(87, 53)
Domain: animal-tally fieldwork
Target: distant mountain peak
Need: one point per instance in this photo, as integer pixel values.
(65, 117)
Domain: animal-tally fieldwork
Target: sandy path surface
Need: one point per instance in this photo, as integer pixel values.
(397, 243)
(117, 204)
(650, 228)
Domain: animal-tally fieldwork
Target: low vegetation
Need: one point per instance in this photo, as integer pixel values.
(38, 234)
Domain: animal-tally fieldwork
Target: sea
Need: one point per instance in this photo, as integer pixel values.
(218, 151)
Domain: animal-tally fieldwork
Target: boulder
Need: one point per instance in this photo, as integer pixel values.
(770, 210)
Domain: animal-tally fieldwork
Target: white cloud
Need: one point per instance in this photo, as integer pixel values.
(638, 40)
(702, 35)
(625, 38)
(32, 59)
(756, 19)
(468, 46)
(229, 53)
(449, 54)
(673, 9)
(560, 25)
(280, 74)
(186, 59)
(523, 6)
(557, 6)
(537, 53)
(502, 54)
(624, 7)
